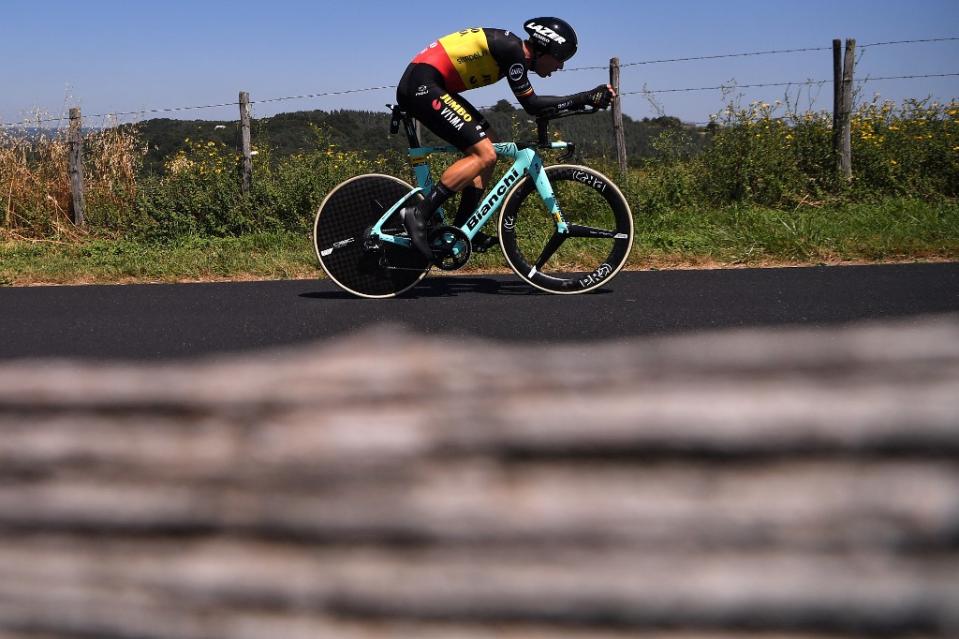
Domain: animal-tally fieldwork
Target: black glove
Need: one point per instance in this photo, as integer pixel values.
(599, 97)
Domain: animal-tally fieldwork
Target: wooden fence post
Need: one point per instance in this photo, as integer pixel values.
(845, 155)
(75, 159)
(618, 117)
(842, 73)
(836, 98)
(246, 145)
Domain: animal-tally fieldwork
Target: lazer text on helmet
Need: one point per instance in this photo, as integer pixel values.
(546, 31)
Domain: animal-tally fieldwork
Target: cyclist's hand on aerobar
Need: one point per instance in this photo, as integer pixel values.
(598, 98)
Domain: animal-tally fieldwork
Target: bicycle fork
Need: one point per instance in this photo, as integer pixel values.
(546, 193)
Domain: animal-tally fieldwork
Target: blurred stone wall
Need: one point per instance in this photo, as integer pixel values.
(775, 483)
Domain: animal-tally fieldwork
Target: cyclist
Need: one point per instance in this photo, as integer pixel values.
(430, 91)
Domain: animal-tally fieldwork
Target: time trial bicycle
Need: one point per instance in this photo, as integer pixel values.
(563, 228)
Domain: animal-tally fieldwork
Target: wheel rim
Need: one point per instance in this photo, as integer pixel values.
(588, 200)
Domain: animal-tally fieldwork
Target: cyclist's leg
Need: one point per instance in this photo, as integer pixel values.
(473, 170)
(422, 94)
(471, 195)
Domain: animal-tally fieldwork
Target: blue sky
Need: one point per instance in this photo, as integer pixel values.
(116, 56)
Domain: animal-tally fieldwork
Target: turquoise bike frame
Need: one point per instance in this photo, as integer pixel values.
(525, 160)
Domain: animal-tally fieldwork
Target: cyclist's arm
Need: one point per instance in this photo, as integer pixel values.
(518, 77)
(537, 104)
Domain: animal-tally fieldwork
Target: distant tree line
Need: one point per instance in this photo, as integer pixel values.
(288, 133)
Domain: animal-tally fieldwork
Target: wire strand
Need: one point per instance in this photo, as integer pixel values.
(120, 113)
(322, 95)
(733, 86)
(759, 53)
(704, 57)
(192, 108)
(883, 44)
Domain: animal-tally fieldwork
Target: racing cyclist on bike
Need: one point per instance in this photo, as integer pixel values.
(430, 91)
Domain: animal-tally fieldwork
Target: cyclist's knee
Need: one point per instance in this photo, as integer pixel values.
(485, 153)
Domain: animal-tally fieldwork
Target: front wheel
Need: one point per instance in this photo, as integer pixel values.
(599, 237)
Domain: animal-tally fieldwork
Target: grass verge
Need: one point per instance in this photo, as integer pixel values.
(892, 230)
(260, 256)
(889, 230)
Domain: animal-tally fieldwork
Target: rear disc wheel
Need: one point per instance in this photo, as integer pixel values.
(355, 262)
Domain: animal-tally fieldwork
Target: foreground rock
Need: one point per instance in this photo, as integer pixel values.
(781, 483)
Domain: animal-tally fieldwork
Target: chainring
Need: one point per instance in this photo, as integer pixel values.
(451, 247)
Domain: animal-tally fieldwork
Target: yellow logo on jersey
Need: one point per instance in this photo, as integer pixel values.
(469, 53)
(456, 107)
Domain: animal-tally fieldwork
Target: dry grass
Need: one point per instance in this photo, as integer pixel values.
(34, 184)
(35, 199)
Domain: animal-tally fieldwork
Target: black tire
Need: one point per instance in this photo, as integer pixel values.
(343, 219)
(588, 200)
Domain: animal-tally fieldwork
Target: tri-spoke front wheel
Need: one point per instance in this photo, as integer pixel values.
(599, 237)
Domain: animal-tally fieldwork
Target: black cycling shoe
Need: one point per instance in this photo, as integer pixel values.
(483, 242)
(414, 221)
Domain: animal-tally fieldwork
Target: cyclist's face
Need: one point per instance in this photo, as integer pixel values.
(546, 64)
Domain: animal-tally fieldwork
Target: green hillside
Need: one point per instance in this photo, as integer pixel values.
(288, 133)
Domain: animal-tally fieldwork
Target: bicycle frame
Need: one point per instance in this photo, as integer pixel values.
(525, 160)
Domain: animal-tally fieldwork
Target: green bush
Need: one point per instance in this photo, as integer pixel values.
(912, 149)
(199, 192)
(768, 157)
(755, 156)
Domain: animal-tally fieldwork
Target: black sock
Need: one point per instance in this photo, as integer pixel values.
(469, 198)
(434, 199)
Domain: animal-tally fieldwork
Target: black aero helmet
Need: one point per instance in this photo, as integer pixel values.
(553, 36)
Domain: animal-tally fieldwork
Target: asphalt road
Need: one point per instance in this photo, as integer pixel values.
(146, 322)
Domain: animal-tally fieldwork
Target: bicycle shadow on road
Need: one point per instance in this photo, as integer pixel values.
(450, 287)
(455, 285)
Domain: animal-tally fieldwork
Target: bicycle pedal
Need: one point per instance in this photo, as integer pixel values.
(483, 242)
(371, 242)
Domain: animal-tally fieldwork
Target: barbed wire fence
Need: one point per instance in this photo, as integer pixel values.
(623, 65)
(842, 84)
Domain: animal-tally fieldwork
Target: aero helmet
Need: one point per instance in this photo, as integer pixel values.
(553, 36)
